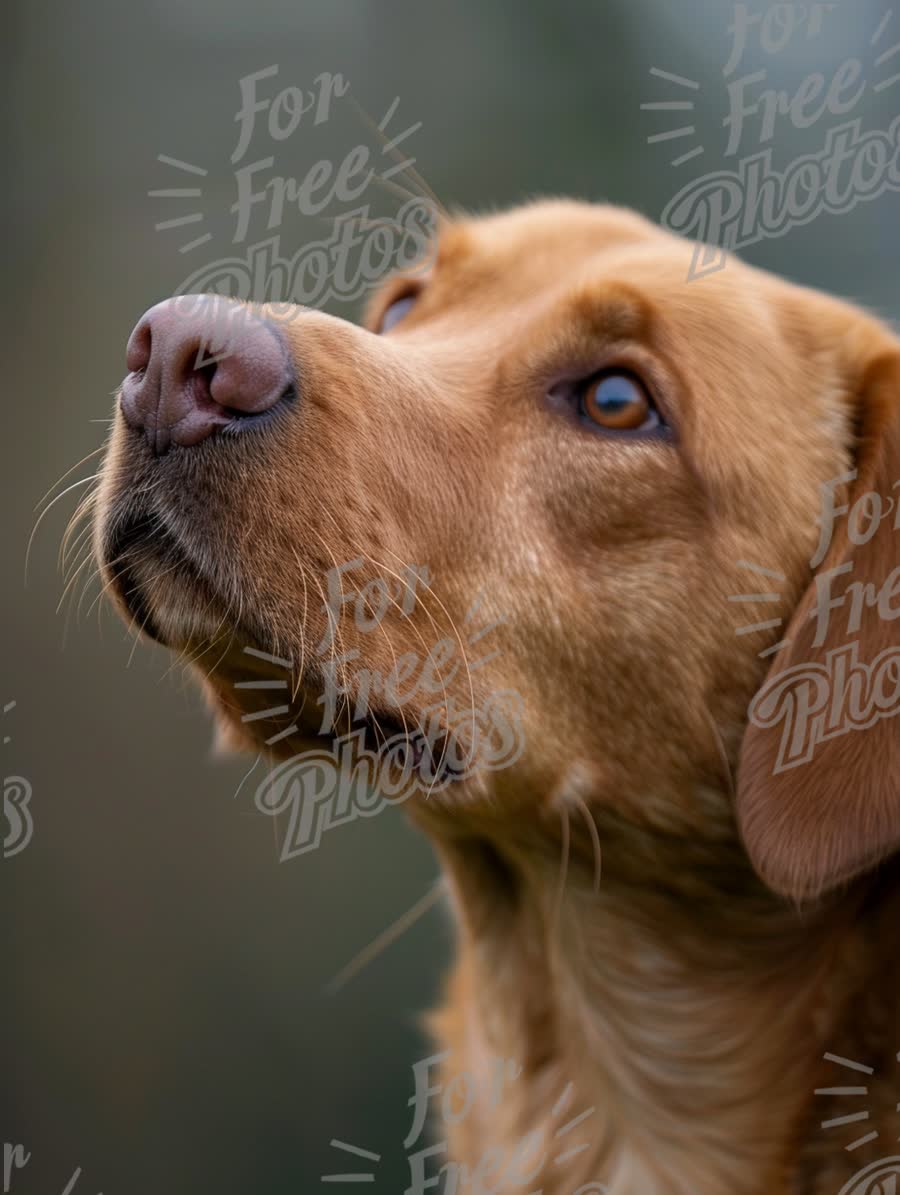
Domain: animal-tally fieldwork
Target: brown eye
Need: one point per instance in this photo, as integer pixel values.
(618, 402)
(396, 312)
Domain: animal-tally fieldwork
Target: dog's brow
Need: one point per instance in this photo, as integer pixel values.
(454, 244)
(613, 311)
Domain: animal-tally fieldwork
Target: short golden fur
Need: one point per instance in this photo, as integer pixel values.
(742, 927)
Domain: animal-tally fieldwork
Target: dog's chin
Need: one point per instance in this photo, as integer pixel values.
(263, 708)
(162, 592)
(263, 701)
(391, 748)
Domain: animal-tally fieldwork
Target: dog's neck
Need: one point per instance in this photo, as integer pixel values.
(684, 1003)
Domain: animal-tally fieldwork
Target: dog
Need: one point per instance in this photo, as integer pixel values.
(679, 901)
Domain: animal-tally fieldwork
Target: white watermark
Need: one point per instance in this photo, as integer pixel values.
(728, 209)
(16, 1157)
(19, 824)
(445, 1105)
(881, 1177)
(815, 701)
(443, 742)
(321, 790)
(343, 264)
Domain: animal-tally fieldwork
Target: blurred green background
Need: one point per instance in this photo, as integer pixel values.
(165, 1024)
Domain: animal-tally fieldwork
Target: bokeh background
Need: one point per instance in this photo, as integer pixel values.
(165, 1022)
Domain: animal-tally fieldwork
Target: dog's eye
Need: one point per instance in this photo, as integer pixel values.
(396, 312)
(618, 402)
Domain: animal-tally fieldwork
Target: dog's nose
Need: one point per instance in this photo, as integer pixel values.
(198, 363)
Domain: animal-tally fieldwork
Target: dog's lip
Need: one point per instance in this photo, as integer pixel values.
(300, 725)
(136, 529)
(134, 524)
(126, 534)
(379, 726)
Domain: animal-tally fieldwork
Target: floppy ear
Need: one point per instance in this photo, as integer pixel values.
(818, 791)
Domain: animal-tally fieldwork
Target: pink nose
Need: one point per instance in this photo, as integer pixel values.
(199, 363)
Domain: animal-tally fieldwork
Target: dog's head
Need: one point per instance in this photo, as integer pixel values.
(539, 501)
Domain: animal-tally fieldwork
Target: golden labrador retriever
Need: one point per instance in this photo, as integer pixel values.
(629, 472)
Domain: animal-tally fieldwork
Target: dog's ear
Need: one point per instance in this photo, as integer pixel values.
(818, 790)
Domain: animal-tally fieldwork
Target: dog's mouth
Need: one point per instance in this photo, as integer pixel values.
(289, 714)
(279, 706)
(118, 555)
(405, 745)
(137, 551)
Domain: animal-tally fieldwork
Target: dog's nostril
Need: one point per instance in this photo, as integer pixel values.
(140, 344)
(201, 380)
(195, 369)
(254, 376)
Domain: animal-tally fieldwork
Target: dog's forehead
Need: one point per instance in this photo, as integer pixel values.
(561, 228)
(553, 245)
(535, 248)
(578, 259)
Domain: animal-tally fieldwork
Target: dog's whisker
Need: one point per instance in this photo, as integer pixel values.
(75, 572)
(460, 642)
(74, 547)
(68, 473)
(247, 775)
(565, 831)
(395, 188)
(365, 225)
(397, 576)
(187, 658)
(303, 624)
(71, 581)
(95, 575)
(720, 748)
(46, 511)
(107, 585)
(73, 610)
(387, 937)
(390, 148)
(337, 638)
(142, 628)
(82, 511)
(595, 838)
(357, 549)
